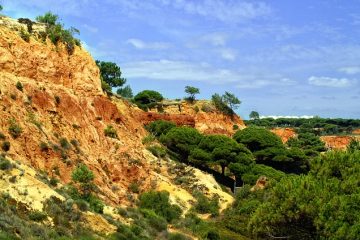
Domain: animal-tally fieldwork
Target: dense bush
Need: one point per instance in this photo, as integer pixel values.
(56, 33)
(320, 205)
(160, 127)
(5, 164)
(125, 92)
(148, 99)
(206, 205)
(256, 139)
(159, 202)
(181, 140)
(5, 146)
(15, 129)
(110, 131)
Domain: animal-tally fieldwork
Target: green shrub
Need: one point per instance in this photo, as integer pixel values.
(19, 86)
(177, 236)
(44, 146)
(64, 143)
(205, 205)
(134, 187)
(24, 35)
(5, 146)
(160, 127)
(82, 205)
(110, 131)
(37, 216)
(54, 181)
(56, 33)
(2, 136)
(5, 164)
(96, 204)
(160, 204)
(148, 99)
(15, 129)
(157, 151)
(57, 100)
(154, 220)
(148, 139)
(82, 174)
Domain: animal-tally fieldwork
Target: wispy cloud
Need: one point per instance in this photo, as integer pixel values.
(178, 70)
(226, 11)
(330, 82)
(139, 44)
(228, 54)
(350, 70)
(90, 28)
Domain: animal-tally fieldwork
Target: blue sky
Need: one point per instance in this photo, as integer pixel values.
(279, 57)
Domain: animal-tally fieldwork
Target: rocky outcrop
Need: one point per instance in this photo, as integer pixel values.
(202, 115)
(62, 99)
(48, 64)
(284, 133)
(338, 142)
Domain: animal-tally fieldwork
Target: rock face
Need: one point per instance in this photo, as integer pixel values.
(284, 133)
(338, 142)
(62, 113)
(201, 115)
(47, 63)
(62, 99)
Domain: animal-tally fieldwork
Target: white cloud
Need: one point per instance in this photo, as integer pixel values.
(330, 82)
(228, 54)
(139, 44)
(202, 72)
(350, 70)
(276, 116)
(227, 11)
(177, 70)
(216, 39)
(90, 28)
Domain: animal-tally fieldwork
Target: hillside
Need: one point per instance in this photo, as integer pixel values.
(55, 104)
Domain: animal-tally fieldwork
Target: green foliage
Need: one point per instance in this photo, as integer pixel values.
(317, 125)
(134, 187)
(160, 204)
(57, 100)
(192, 91)
(110, 131)
(181, 140)
(221, 105)
(231, 100)
(5, 146)
(125, 92)
(15, 129)
(5, 164)
(254, 115)
(37, 216)
(111, 74)
(82, 174)
(44, 146)
(2, 136)
(222, 150)
(24, 35)
(257, 170)
(320, 205)
(353, 146)
(256, 139)
(48, 18)
(160, 127)
(206, 205)
(64, 143)
(309, 142)
(1, 7)
(19, 86)
(57, 33)
(148, 99)
(157, 151)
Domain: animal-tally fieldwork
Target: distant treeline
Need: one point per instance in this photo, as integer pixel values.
(317, 125)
